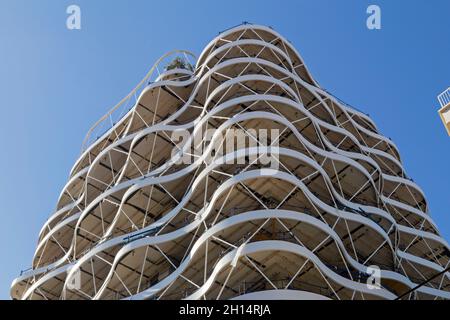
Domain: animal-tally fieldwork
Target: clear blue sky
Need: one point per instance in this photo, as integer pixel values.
(55, 83)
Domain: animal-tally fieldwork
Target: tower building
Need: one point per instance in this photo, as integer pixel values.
(165, 205)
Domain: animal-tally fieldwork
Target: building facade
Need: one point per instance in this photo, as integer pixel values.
(167, 204)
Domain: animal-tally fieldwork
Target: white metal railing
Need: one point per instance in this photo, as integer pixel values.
(444, 98)
(118, 111)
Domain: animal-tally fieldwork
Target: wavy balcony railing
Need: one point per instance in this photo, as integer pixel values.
(444, 112)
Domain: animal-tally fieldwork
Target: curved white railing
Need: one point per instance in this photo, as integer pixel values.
(129, 100)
